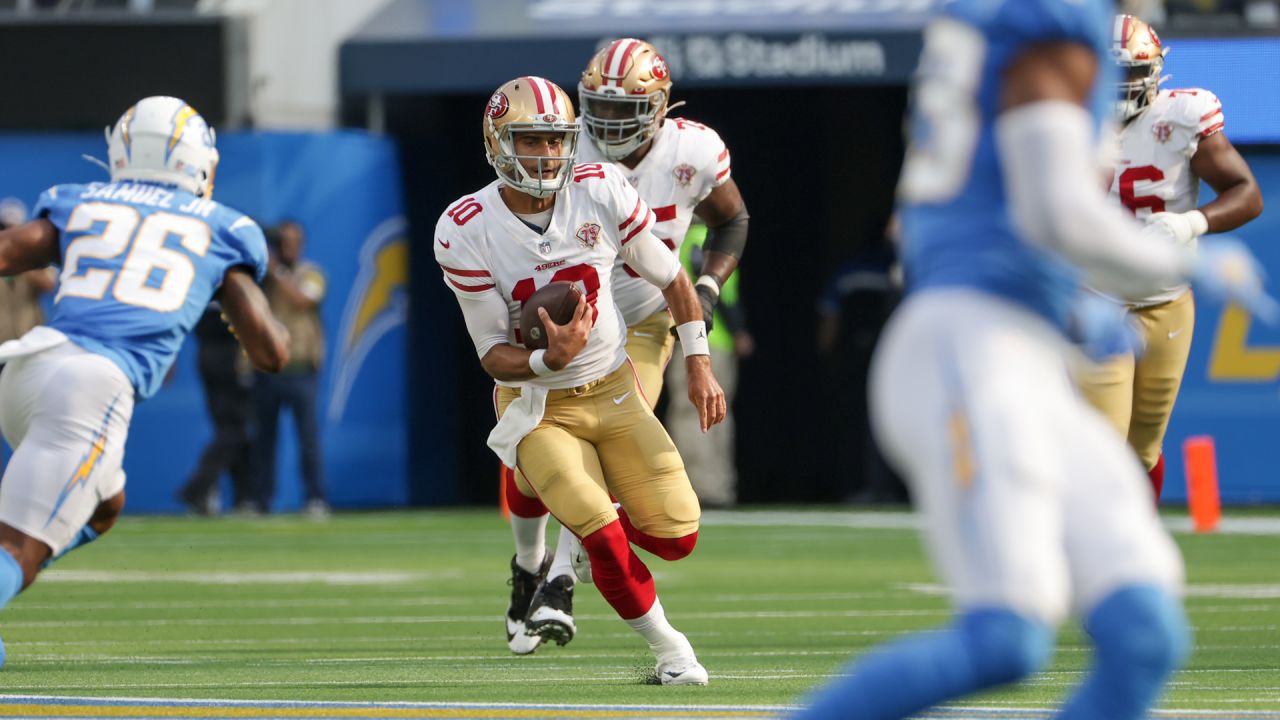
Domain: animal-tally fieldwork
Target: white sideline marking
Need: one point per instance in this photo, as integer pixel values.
(245, 578)
(909, 521)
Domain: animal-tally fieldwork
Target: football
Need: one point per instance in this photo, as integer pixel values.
(559, 298)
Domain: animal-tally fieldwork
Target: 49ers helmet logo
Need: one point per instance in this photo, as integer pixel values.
(659, 68)
(588, 234)
(498, 106)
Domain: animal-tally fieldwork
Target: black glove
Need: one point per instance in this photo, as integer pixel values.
(708, 298)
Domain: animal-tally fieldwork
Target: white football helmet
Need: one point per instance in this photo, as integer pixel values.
(163, 139)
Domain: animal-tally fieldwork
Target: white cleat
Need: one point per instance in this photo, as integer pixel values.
(682, 670)
(520, 642)
(579, 559)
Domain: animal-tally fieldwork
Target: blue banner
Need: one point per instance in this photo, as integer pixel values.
(1243, 72)
(344, 188)
(1230, 391)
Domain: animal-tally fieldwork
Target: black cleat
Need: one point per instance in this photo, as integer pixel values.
(524, 585)
(551, 611)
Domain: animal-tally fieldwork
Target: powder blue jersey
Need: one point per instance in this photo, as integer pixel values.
(140, 262)
(957, 229)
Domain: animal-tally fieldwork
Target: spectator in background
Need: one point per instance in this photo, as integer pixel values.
(852, 311)
(709, 457)
(225, 373)
(294, 288)
(20, 294)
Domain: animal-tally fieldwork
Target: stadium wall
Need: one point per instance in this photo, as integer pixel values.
(344, 187)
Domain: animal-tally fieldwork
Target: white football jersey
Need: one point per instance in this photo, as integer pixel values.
(483, 247)
(685, 163)
(1153, 172)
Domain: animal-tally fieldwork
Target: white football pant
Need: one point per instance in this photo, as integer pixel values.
(1030, 501)
(66, 412)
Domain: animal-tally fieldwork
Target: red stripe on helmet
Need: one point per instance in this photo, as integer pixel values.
(537, 94)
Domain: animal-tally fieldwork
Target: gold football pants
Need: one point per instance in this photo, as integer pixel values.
(600, 440)
(649, 345)
(1137, 397)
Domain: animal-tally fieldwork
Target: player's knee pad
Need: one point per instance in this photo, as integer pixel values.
(1004, 646)
(1141, 633)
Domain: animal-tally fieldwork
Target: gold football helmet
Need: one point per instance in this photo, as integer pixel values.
(1136, 48)
(624, 94)
(530, 104)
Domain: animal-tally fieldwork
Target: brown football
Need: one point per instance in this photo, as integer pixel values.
(559, 298)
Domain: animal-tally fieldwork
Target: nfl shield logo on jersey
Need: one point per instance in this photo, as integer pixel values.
(544, 247)
(588, 234)
(1163, 131)
(684, 174)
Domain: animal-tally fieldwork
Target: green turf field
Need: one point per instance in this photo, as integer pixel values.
(407, 607)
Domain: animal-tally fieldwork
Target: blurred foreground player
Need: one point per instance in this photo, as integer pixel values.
(141, 258)
(1033, 507)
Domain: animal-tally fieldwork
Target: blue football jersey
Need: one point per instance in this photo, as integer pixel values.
(956, 224)
(140, 262)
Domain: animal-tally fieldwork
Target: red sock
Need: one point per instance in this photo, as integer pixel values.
(518, 503)
(622, 577)
(1157, 477)
(665, 548)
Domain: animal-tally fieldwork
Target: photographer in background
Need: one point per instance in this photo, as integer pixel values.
(295, 289)
(226, 376)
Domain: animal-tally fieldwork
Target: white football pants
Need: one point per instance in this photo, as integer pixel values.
(1030, 501)
(66, 413)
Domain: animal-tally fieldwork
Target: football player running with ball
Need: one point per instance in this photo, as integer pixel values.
(1033, 508)
(571, 419)
(141, 257)
(680, 168)
(1170, 141)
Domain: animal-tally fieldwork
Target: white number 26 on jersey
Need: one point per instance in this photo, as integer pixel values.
(945, 119)
(123, 229)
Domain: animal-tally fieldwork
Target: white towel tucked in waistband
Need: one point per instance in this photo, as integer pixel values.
(521, 417)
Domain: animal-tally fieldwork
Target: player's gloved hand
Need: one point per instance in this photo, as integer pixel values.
(1104, 329)
(1225, 269)
(1178, 228)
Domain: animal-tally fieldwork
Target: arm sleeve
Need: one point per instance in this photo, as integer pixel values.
(653, 260)
(1065, 212)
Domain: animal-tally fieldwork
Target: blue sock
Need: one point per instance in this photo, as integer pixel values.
(1140, 636)
(982, 649)
(10, 584)
(84, 537)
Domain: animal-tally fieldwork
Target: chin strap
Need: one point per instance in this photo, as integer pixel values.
(96, 161)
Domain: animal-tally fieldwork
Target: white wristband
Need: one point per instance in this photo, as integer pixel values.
(537, 365)
(693, 338)
(1199, 223)
(710, 282)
